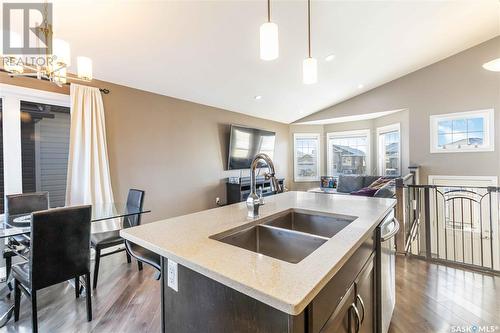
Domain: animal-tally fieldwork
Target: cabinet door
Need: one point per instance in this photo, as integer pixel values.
(342, 318)
(365, 297)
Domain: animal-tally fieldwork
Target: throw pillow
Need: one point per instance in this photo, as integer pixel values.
(365, 191)
(379, 183)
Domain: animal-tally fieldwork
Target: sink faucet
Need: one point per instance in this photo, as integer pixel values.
(253, 200)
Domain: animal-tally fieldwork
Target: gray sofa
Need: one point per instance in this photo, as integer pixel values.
(351, 183)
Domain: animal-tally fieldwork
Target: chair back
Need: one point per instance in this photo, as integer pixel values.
(135, 202)
(26, 203)
(60, 245)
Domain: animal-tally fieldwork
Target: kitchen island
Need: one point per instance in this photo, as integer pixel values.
(308, 263)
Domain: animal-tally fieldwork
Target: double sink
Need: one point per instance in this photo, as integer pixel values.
(290, 235)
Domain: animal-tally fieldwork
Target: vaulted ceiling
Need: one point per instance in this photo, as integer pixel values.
(208, 51)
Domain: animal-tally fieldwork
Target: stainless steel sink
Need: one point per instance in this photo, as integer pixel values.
(311, 223)
(275, 242)
(290, 235)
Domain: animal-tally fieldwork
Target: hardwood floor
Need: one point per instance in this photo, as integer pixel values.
(430, 298)
(436, 298)
(125, 300)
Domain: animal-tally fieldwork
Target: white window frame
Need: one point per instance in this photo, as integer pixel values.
(11, 117)
(380, 154)
(346, 134)
(297, 178)
(489, 131)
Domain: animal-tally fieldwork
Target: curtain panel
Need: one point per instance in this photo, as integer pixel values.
(88, 180)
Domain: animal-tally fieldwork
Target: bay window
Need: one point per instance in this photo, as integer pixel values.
(306, 157)
(348, 152)
(389, 150)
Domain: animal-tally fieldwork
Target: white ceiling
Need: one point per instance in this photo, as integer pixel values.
(208, 52)
(346, 119)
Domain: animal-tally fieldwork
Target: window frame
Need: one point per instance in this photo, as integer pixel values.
(11, 109)
(347, 134)
(488, 116)
(380, 157)
(296, 177)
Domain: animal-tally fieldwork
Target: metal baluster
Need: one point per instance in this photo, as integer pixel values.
(462, 219)
(491, 228)
(498, 222)
(471, 232)
(481, 230)
(436, 208)
(444, 228)
(453, 228)
(427, 212)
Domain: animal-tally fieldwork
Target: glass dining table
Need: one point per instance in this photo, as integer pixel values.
(105, 217)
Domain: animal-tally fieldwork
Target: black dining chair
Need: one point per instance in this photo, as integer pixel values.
(19, 204)
(103, 240)
(60, 251)
(138, 252)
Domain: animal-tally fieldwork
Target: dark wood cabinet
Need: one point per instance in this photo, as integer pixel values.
(238, 191)
(356, 310)
(365, 297)
(340, 321)
(347, 303)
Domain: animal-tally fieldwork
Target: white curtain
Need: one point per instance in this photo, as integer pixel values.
(89, 180)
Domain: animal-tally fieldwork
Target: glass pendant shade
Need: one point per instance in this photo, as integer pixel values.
(62, 51)
(493, 65)
(310, 70)
(60, 76)
(13, 65)
(84, 68)
(269, 43)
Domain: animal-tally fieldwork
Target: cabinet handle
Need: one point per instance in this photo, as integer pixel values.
(358, 298)
(356, 313)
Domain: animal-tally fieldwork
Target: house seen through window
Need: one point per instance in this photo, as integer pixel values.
(306, 157)
(44, 149)
(389, 150)
(348, 153)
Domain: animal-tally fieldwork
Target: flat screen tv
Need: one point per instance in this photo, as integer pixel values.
(245, 143)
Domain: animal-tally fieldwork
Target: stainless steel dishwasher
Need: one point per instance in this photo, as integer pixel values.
(387, 272)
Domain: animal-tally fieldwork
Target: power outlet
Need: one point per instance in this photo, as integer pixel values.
(172, 278)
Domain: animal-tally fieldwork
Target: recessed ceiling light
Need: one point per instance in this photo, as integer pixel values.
(330, 57)
(360, 86)
(493, 65)
(257, 97)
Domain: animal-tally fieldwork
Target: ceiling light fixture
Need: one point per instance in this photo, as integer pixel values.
(493, 65)
(360, 86)
(51, 66)
(258, 97)
(269, 43)
(330, 57)
(310, 64)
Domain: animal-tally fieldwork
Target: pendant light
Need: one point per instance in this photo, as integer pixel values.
(310, 64)
(269, 44)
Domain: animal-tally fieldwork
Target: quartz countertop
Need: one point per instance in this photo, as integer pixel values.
(285, 286)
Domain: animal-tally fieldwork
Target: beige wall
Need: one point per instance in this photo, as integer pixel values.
(175, 150)
(458, 83)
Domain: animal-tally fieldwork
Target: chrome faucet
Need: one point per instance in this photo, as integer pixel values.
(254, 201)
